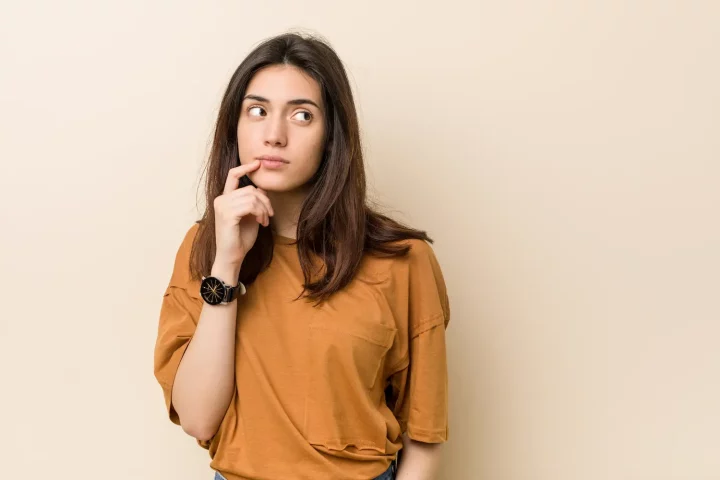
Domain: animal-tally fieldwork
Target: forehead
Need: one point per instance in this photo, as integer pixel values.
(280, 83)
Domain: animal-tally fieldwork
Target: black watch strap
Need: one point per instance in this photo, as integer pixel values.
(231, 293)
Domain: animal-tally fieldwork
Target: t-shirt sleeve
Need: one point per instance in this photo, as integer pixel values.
(179, 313)
(421, 387)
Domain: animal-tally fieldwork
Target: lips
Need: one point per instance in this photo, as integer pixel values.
(272, 158)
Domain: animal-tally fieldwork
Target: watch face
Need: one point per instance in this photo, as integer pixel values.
(212, 290)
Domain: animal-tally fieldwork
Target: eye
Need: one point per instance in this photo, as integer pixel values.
(255, 107)
(309, 116)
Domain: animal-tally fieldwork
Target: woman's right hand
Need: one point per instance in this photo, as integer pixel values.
(238, 215)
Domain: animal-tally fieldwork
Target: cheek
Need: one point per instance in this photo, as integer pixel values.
(244, 139)
(242, 134)
(314, 149)
(316, 146)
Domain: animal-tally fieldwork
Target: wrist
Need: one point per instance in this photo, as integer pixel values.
(227, 272)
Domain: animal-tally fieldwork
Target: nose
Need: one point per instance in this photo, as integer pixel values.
(275, 132)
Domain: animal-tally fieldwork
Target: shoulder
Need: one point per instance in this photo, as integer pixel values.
(419, 249)
(414, 282)
(181, 276)
(420, 259)
(420, 255)
(189, 238)
(427, 293)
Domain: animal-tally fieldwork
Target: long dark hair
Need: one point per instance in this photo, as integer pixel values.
(336, 224)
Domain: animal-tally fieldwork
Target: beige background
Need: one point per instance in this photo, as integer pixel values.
(565, 156)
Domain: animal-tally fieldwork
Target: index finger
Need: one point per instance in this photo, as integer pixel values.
(236, 172)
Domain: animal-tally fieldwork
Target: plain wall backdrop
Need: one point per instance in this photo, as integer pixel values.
(564, 155)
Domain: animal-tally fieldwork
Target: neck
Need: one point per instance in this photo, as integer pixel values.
(286, 206)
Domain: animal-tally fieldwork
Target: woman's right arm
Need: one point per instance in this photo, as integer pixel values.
(205, 379)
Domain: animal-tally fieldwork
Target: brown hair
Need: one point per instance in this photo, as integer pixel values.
(336, 224)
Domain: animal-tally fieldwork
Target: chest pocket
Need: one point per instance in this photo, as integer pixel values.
(346, 359)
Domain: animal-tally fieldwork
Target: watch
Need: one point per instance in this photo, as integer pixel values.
(216, 292)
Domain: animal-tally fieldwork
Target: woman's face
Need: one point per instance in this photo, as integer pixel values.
(282, 115)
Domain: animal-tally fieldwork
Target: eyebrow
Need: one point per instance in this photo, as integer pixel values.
(297, 101)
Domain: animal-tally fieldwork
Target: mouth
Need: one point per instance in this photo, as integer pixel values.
(271, 162)
(272, 159)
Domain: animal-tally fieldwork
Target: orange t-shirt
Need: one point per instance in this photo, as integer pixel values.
(322, 392)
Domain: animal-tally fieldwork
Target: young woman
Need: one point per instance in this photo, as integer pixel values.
(302, 333)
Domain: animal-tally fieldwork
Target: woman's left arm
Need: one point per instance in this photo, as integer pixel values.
(419, 460)
(420, 390)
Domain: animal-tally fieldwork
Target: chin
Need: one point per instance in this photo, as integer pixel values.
(277, 184)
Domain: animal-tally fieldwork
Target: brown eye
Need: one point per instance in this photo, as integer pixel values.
(309, 116)
(250, 110)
